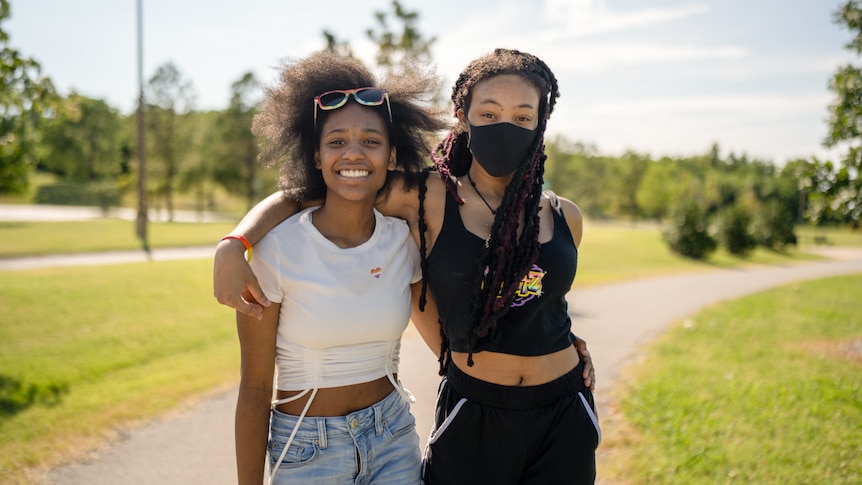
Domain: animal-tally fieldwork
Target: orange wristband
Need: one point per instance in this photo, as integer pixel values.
(244, 241)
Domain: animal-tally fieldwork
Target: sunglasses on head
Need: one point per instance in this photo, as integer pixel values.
(331, 100)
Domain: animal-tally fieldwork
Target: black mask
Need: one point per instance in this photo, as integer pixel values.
(500, 148)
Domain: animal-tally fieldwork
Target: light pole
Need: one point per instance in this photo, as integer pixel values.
(141, 223)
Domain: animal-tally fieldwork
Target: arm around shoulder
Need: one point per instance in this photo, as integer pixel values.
(265, 215)
(399, 200)
(234, 284)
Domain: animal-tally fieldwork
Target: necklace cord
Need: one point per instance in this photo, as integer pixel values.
(473, 184)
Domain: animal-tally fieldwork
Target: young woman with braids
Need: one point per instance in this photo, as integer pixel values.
(498, 255)
(340, 277)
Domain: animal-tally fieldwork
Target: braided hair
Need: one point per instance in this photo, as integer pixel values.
(285, 123)
(507, 256)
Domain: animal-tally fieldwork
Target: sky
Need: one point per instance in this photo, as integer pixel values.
(659, 77)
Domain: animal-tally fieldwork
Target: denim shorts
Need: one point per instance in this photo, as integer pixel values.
(375, 445)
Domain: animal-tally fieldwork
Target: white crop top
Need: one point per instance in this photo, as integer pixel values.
(342, 310)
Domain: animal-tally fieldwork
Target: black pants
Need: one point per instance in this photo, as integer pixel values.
(533, 435)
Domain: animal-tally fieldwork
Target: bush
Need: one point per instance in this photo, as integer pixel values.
(734, 231)
(101, 194)
(774, 226)
(688, 233)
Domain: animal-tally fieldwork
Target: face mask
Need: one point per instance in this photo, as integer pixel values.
(500, 148)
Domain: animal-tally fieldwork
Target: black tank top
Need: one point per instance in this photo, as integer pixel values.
(538, 322)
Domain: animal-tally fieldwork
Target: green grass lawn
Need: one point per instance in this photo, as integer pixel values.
(84, 350)
(829, 236)
(614, 251)
(766, 389)
(604, 244)
(39, 238)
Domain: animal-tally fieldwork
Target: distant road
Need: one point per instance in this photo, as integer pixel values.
(47, 213)
(108, 257)
(14, 212)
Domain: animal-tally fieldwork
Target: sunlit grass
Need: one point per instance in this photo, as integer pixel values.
(617, 251)
(119, 344)
(762, 390)
(40, 238)
(829, 236)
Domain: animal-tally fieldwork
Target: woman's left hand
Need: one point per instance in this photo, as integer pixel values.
(589, 370)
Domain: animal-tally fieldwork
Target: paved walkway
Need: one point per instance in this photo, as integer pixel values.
(110, 257)
(194, 445)
(48, 213)
(43, 213)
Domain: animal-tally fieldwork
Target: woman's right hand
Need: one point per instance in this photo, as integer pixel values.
(234, 283)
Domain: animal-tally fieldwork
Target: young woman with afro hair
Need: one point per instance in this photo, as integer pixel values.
(341, 278)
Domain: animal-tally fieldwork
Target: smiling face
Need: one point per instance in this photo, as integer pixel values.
(354, 154)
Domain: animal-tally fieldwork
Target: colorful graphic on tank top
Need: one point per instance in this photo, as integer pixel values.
(531, 286)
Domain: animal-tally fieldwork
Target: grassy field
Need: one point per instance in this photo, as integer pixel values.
(85, 350)
(766, 389)
(613, 252)
(604, 243)
(39, 238)
(828, 236)
(109, 346)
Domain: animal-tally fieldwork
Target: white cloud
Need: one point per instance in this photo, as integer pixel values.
(582, 18)
(772, 127)
(587, 57)
(562, 37)
(738, 106)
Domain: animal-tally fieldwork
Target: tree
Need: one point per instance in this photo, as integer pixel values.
(655, 194)
(336, 46)
(774, 226)
(81, 142)
(397, 53)
(394, 49)
(845, 119)
(200, 163)
(577, 172)
(688, 233)
(559, 168)
(818, 181)
(170, 98)
(734, 230)
(625, 175)
(24, 95)
(238, 172)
